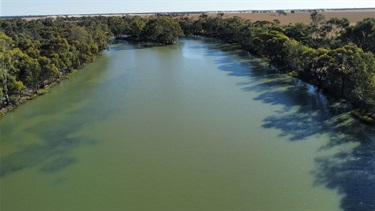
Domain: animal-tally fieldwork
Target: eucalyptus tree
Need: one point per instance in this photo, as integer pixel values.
(364, 80)
(346, 60)
(318, 63)
(316, 17)
(187, 25)
(231, 29)
(136, 27)
(272, 45)
(162, 29)
(118, 26)
(362, 34)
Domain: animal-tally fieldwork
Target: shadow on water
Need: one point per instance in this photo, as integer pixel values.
(56, 139)
(51, 154)
(121, 45)
(306, 113)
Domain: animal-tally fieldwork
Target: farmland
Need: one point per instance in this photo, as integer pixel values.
(298, 17)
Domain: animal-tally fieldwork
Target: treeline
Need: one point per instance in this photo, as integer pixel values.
(334, 56)
(160, 29)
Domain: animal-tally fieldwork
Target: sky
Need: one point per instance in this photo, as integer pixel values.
(58, 7)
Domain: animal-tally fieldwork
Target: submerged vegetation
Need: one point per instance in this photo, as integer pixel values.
(334, 56)
(364, 116)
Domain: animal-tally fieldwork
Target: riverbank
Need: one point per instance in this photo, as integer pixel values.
(23, 99)
(32, 94)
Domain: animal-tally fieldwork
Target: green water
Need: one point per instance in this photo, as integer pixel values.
(194, 126)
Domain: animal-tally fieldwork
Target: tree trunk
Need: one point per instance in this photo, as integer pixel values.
(343, 88)
(7, 99)
(364, 101)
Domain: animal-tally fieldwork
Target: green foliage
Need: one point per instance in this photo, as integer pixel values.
(273, 46)
(316, 17)
(38, 52)
(118, 26)
(136, 27)
(295, 55)
(281, 12)
(364, 116)
(362, 34)
(162, 29)
(230, 29)
(300, 32)
(187, 26)
(318, 63)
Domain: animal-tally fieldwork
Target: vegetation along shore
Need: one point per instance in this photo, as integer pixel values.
(334, 55)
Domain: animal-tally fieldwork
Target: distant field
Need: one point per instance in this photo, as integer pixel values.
(352, 15)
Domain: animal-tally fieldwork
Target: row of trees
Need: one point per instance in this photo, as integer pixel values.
(160, 29)
(333, 55)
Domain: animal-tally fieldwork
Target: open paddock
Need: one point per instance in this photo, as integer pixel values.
(291, 18)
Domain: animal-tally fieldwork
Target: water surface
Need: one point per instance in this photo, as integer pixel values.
(195, 126)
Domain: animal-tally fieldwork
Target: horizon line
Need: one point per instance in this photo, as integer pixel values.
(201, 11)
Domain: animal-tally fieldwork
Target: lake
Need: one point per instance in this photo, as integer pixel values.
(199, 125)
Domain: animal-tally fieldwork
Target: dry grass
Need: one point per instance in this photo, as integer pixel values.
(352, 15)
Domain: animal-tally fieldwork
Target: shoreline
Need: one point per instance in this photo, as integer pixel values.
(364, 116)
(36, 93)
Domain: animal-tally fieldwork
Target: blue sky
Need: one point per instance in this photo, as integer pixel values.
(51, 7)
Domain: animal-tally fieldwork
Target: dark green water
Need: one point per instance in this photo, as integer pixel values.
(195, 126)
